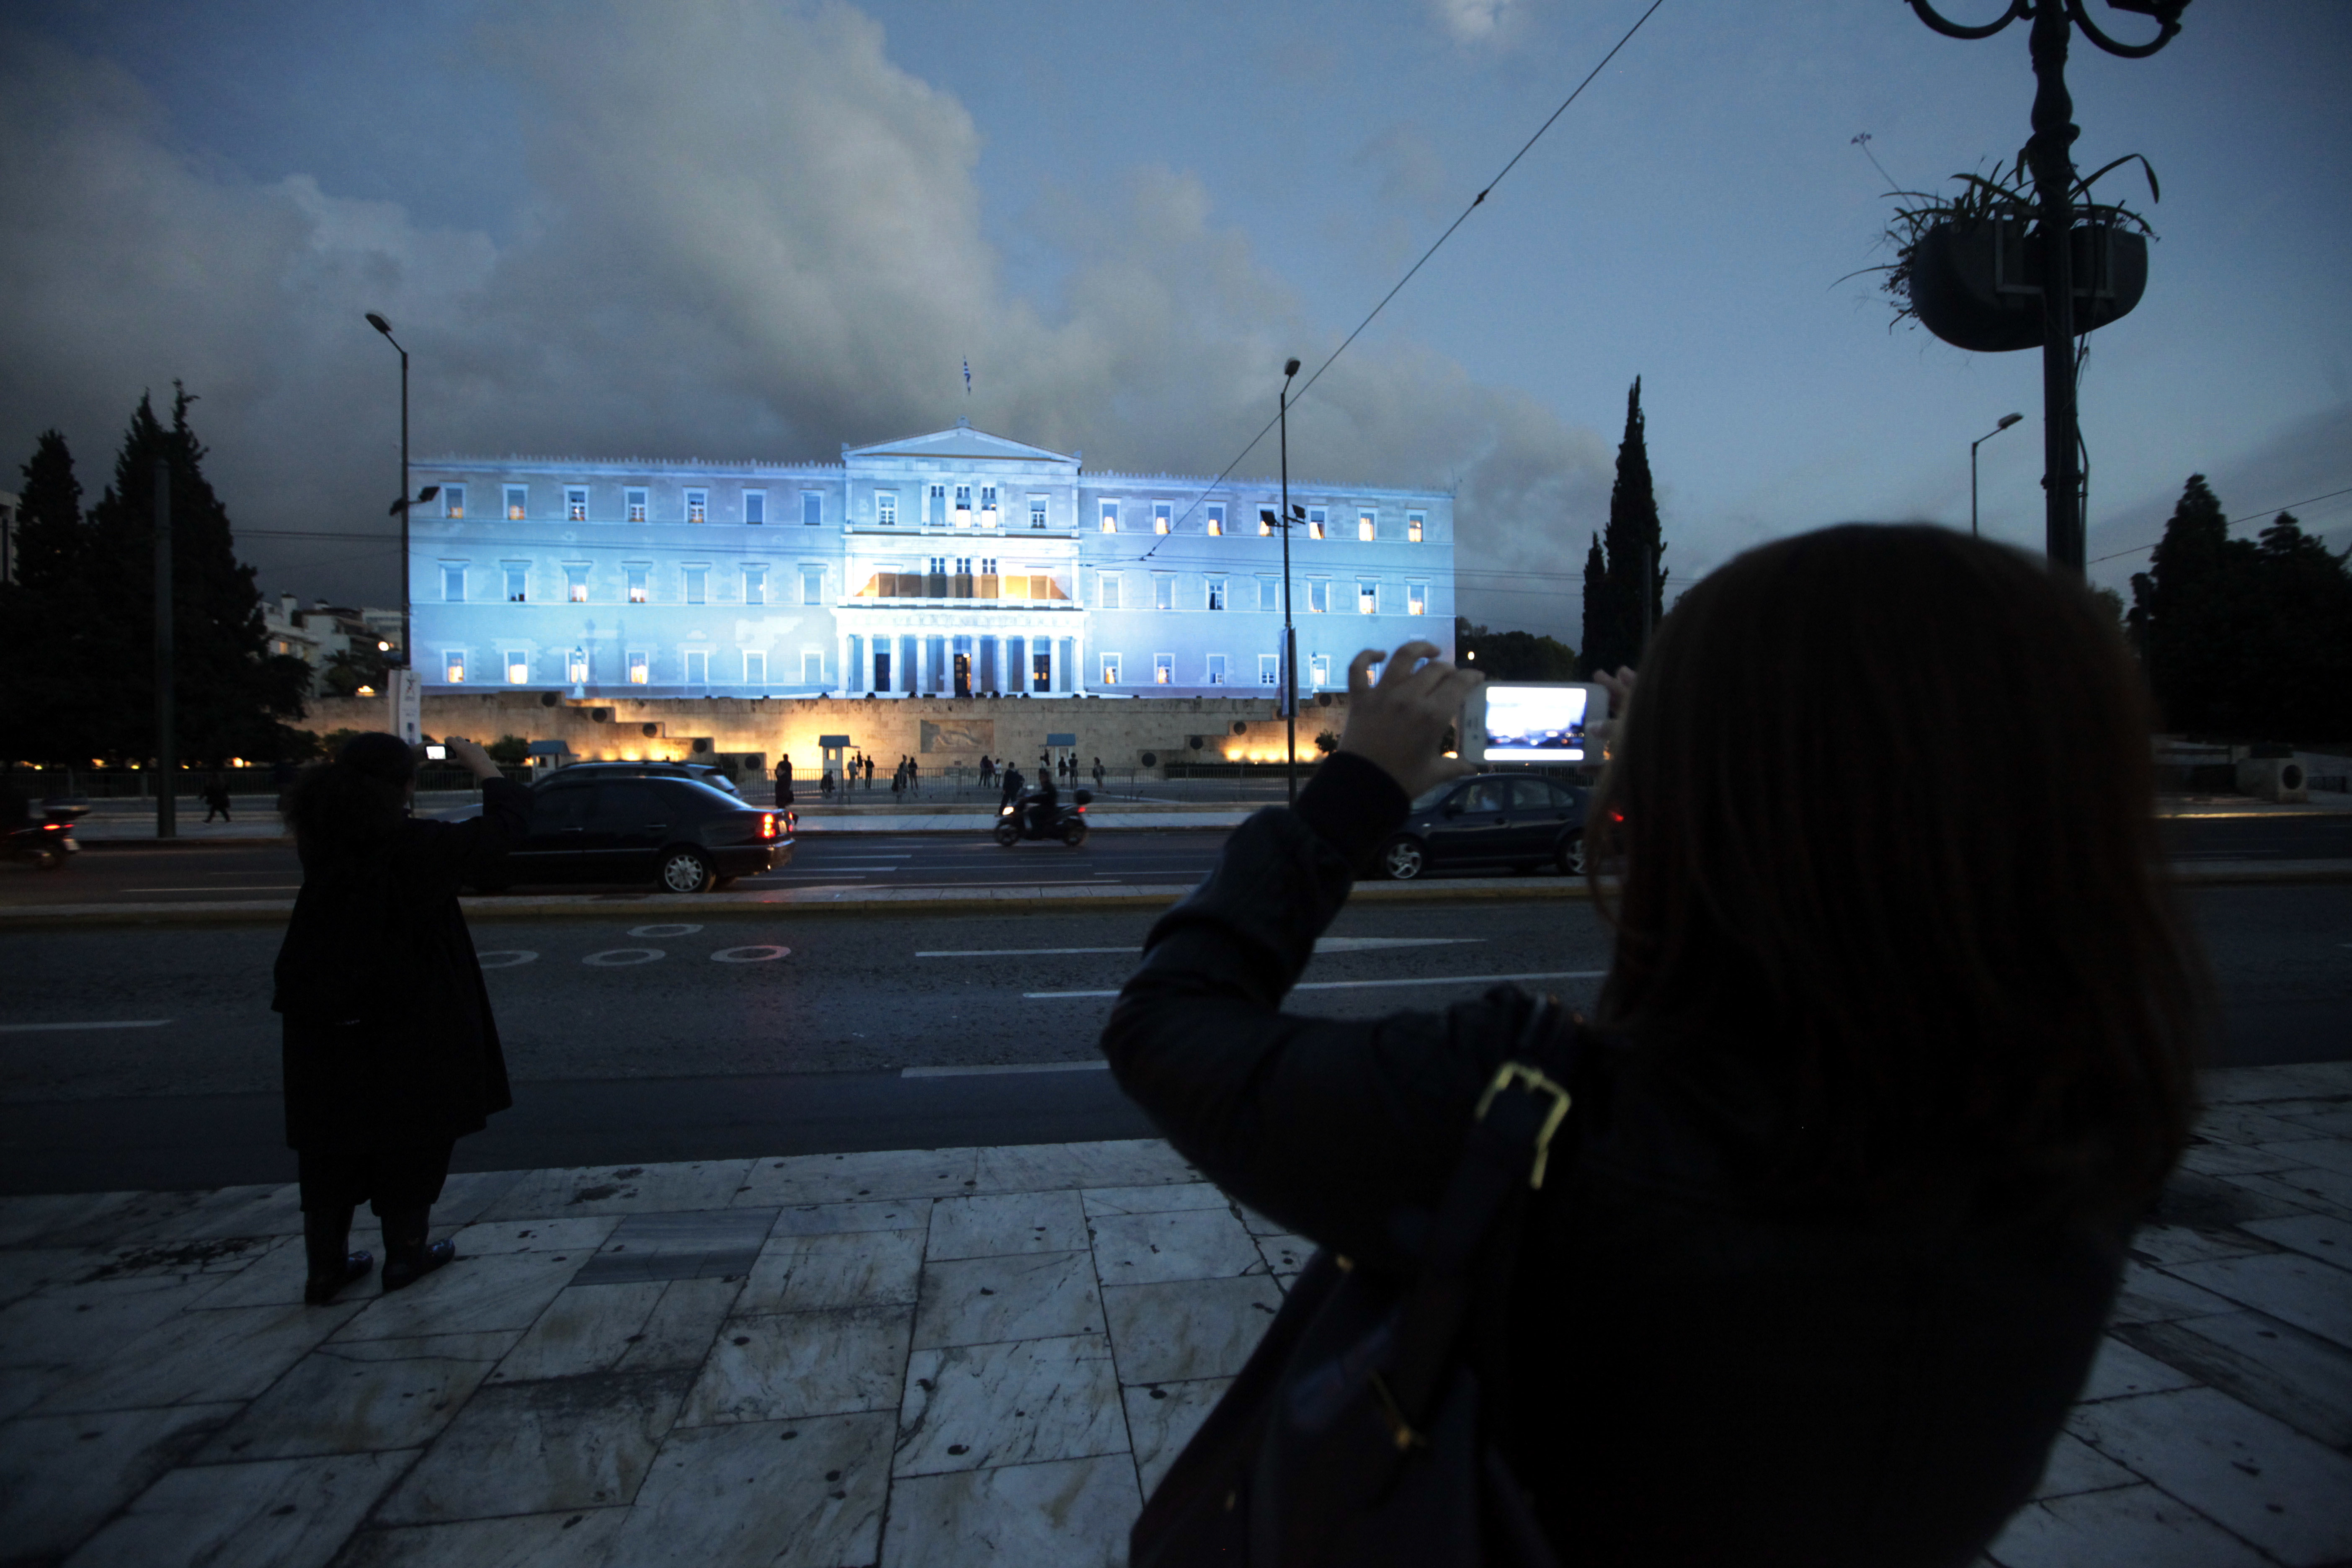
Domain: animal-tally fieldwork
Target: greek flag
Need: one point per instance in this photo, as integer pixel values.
(967, 378)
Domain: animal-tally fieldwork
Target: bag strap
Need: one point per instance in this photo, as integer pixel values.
(1504, 1158)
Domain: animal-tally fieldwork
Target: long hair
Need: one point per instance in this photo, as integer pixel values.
(354, 800)
(1884, 808)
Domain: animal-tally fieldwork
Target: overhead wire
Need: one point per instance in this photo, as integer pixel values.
(2232, 522)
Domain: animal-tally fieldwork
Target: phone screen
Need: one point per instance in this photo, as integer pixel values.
(436, 753)
(1535, 723)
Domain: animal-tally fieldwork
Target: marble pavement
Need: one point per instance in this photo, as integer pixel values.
(958, 1356)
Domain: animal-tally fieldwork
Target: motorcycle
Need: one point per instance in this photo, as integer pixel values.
(48, 844)
(1019, 820)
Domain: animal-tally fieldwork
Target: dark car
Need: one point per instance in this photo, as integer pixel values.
(592, 826)
(1519, 820)
(701, 773)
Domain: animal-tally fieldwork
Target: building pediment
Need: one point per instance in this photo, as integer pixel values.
(961, 442)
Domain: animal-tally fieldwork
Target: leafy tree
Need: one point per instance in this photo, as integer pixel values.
(229, 693)
(1513, 656)
(2244, 639)
(353, 668)
(511, 750)
(1631, 548)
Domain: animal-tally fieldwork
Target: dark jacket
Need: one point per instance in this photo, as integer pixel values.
(1709, 1366)
(389, 1042)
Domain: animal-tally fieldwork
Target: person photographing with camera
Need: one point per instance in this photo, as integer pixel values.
(1798, 1252)
(390, 1052)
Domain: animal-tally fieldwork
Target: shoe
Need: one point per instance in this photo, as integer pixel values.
(400, 1273)
(320, 1290)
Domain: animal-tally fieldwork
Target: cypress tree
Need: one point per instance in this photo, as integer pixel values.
(44, 694)
(2194, 615)
(1632, 542)
(229, 691)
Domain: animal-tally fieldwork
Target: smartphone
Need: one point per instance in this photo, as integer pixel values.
(1530, 721)
(436, 753)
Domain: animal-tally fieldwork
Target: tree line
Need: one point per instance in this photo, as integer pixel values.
(77, 624)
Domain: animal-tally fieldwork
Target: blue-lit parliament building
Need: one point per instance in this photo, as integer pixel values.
(953, 564)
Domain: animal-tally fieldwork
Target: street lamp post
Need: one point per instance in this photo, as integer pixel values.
(2049, 154)
(2006, 421)
(1289, 633)
(401, 506)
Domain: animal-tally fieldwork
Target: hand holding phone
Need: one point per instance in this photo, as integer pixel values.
(1399, 721)
(436, 753)
(1530, 721)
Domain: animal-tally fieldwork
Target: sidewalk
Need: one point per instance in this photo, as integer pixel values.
(958, 1357)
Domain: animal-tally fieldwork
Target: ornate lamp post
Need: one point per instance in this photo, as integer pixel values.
(2050, 155)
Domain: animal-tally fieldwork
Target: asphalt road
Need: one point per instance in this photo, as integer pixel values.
(783, 1033)
(194, 873)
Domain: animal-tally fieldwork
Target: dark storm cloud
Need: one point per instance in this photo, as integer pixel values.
(750, 235)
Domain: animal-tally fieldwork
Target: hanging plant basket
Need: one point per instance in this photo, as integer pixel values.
(1976, 282)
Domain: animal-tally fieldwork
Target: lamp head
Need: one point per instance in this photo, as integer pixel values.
(427, 493)
(1289, 369)
(2007, 420)
(379, 323)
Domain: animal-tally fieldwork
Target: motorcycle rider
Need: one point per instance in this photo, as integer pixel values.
(1044, 804)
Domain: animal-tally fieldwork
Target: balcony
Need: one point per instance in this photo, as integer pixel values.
(945, 588)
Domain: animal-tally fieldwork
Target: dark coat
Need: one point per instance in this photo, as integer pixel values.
(389, 1041)
(1707, 1366)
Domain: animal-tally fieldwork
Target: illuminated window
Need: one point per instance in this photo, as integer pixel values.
(453, 666)
(1367, 598)
(1111, 517)
(1269, 669)
(517, 667)
(811, 507)
(575, 667)
(1164, 591)
(453, 500)
(1319, 598)
(755, 584)
(698, 506)
(1318, 669)
(575, 584)
(453, 584)
(1036, 511)
(1316, 518)
(1416, 598)
(517, 577)
(963, 505)
(697, 580)
(1412, 526)
(755, 506)
(1111, 670)
(988, 506)
(1107, 594)
(1216, 670)
(518, 503)
(640, 667)
(575, 504)
(885, 508)
(1163, 668)
(637, 590)
(1215, 515)
(1160, 511)
(1266, 520)
(1216, 592)
(755, 668)
(632, 502)
(1365, 532)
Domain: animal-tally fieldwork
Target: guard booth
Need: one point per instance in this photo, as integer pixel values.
(831, 751)
(546, 756)
(1061, 745)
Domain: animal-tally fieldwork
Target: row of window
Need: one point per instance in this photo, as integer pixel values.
(694, 584)
(695, 667)
(1316, 595)
(935, 508)
(1218, 670)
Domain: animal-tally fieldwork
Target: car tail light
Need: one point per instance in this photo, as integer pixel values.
(767, 825)
(53, 828)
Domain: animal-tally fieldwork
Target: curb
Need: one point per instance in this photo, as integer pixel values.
(986, 899)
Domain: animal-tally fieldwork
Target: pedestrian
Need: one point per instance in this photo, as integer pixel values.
(216, 796)
(785, 779)
(914, 776)
(987, 770)
(1098, 772)
(1012, 791)
(390, 1051)
(1888, 1064)
(898, 779)
(825, 785)
(869, 772)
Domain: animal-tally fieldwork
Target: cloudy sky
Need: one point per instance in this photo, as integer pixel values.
(754, 228)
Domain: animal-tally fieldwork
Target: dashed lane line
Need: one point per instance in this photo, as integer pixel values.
(995, 1069)
(108, 1024)
(1323, 944)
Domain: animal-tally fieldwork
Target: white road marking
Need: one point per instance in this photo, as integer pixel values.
(1012, 1066)
(515, 958)
(278, 887)
(622, 957)
(1368, 985)
(1018, 952)
(111, 1024)
(663, 930)
(756, 954)
(1326, 944)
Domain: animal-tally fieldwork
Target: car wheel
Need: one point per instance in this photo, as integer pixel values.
(1401, 860)
(1074, 834)
(684, 871)
(1006, 834)
(1568, 856)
